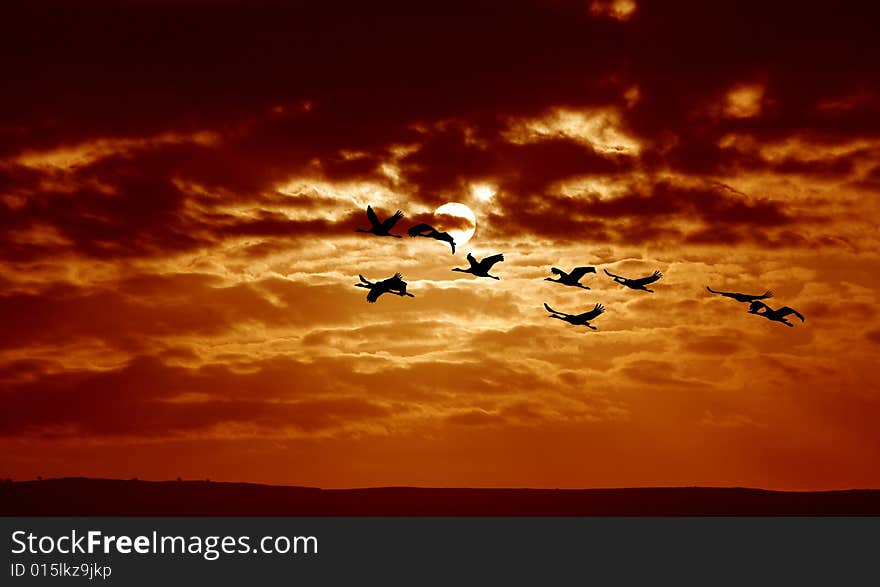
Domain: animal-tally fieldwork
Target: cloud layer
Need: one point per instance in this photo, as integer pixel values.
(180, 183)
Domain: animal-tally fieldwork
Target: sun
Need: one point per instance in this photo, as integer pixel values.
(460, 212)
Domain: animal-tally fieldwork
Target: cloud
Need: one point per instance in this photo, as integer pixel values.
(178, 252)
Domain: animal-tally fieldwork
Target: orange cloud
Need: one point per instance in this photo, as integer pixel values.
(178, 252)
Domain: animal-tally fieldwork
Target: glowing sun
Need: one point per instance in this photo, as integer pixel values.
(458, 212)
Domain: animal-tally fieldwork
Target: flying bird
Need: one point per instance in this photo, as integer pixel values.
(774, 315)
(577, 319)
(393, 285)
(428, 231)
(481, 268)
(636, 283)
(381, 228)
(573, 278)
(741, 297)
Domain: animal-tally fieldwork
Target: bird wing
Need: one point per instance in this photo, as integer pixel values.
(558, 271)
(418, 229)
(552, 311)
(597, 310)
(364, 279)
(491, 260)
(392, 220)
(717, 292)
(472, 260)
(444, 236)
(767, 294)
(786, 310)
(374, 220)
(757, 305)
(579, 272)
(646, 280)
(609, 274)
(374, 294)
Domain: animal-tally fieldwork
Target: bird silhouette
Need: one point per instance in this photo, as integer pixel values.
(381, 228)
(481, 268)
(572, 279)
(774, 315)
(577, 319)
(393, 285)
(636, 283)
(741, 297)
(428, 231)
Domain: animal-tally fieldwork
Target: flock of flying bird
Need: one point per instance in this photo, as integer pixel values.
(480, 268)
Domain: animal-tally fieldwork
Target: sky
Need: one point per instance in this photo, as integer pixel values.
(180, 182)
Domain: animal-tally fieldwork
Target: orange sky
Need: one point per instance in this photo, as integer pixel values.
(179, 188)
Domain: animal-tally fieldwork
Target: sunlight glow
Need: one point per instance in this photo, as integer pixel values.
(458, 210)
(482, 191)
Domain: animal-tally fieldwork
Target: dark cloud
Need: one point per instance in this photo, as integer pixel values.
(148, 398)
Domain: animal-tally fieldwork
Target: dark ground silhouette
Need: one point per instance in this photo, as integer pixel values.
(107, 497)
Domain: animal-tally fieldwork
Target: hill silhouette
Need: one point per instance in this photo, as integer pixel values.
(109, 497)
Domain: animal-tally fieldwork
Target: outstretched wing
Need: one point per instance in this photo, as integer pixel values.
(374, 294)
(552, 311)
(579, 272)
(472, 260)
(609, 274)
(587, 316)
(558, 271)
(371, 215)
(646, 280)
(767, 294)
(418, 229)
(785, 311)
(364, 279)
(491, 260)
(392, 220)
